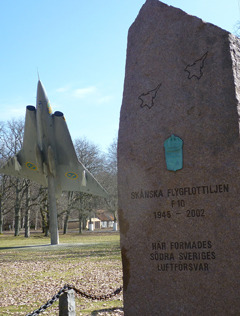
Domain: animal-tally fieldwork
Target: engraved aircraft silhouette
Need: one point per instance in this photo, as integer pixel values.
(195, 70)
(48, 152)
(148, 98)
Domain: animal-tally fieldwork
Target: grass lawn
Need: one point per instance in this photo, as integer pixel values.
(32, 271)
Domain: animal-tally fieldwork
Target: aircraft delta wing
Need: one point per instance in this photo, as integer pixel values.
(48, 148)
(72, 174)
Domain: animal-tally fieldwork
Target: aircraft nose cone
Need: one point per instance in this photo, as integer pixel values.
(41, 93)
(43, 103)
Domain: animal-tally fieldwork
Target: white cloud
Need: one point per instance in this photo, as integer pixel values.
(92, 94)
(84, 92)
(104, 99)
(9, 112)
(63, 89)
(17, 111)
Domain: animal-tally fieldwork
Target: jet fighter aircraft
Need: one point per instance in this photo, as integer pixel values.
(48, 149)
(48, 157)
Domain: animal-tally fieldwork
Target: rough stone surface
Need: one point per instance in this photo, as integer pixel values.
(180, 236)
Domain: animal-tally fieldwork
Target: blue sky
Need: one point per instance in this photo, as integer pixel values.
(79, 49)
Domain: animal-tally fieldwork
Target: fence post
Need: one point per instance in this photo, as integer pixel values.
(67, 303)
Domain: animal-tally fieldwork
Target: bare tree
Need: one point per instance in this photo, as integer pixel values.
(92, 158)
(237, 29)
(11, 139)
(4, 188)
(27, 210)
(110, 179)
(69, 208)
(44, 209)
(90, 155)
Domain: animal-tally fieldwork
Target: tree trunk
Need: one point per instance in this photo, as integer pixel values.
(1, 207)
(1, 215)
(43, 218)
(17, 210)
(27, 214)
(65, 223)
(46, 228)
(36, 220)
(43, 225)
(80, 222)
(27, 227)
(80, 216)
(84, 222)
(70, 197)
(22, 219)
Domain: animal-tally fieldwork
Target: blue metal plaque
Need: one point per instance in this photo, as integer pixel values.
(173, 153)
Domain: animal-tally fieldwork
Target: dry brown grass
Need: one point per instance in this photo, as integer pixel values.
(32, 275)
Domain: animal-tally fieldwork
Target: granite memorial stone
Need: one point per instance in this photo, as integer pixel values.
(179, 166)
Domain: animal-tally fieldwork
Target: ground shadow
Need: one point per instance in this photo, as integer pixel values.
(95, 313)
(59, 246)
(23, 247)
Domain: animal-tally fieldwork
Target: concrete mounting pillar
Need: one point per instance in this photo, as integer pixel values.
(114, 226)
(52, 210)
(91, 227)
(67, 304)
